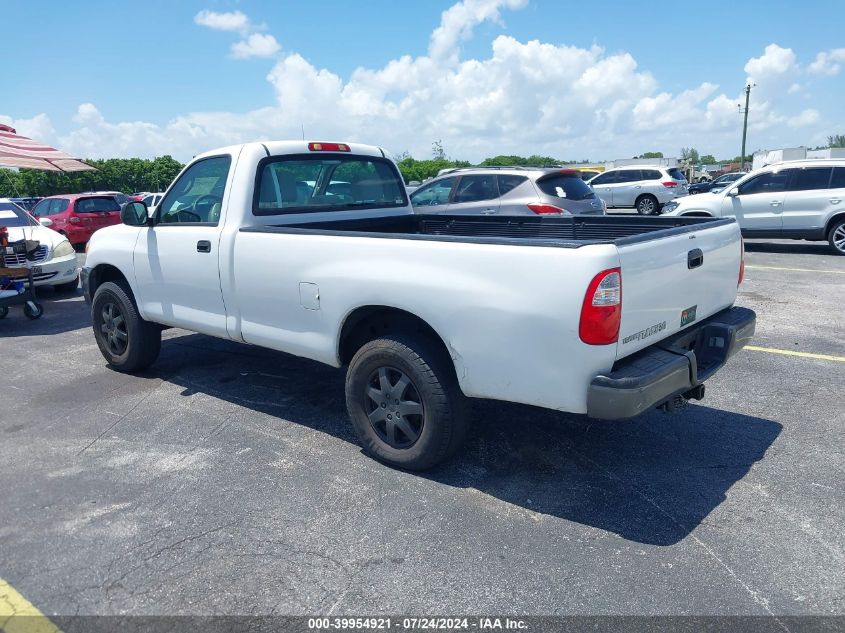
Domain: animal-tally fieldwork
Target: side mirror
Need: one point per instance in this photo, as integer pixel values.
(134, 214)
(733, 192)
(45, 222)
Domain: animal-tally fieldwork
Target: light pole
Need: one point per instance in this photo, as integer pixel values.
(744, 123)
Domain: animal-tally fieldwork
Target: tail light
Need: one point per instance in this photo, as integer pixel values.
(328, 147)
(601, 313)
(670, 183)
(741, 263)
(546, 209)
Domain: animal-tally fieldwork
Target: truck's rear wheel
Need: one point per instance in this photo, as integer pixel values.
(126, 341)
(405, 403)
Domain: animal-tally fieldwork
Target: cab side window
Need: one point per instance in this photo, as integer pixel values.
(838, 179)
(197, 196)
(606, 178)
(476, 188)
(811, 178)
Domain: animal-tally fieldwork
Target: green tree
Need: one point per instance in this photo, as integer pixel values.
(690, 155)
(836, 140)
(651, 155)
(437, 150)
(708, 159)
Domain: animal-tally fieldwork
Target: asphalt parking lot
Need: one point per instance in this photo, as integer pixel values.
(227, 480)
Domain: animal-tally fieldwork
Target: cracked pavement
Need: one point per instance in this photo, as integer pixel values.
(226, 481)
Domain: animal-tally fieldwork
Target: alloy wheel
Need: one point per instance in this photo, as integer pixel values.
(113, 328)
(394, 407)
(838, 238)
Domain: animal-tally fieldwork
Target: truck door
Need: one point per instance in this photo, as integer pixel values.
(176, 262)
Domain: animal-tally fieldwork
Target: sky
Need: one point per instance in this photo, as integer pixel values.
(593, 81)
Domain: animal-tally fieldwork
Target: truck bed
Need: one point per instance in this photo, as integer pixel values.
(561, 232)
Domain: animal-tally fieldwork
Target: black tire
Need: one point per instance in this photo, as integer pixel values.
(33, 310)
(126, 341)
(647, 205)
(4, 312)
(836, 236)
(69, 286)
(442, 422)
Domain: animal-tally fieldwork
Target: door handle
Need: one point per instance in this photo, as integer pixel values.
(695, 258)
(203, 246)
(835, 201)
(775, 204)
(488, 212)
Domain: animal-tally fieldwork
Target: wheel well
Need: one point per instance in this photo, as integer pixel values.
(370, 322)
(836, 218)
(101, 274)
(697, 214)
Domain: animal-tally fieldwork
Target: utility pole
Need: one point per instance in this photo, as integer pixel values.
(744, 124)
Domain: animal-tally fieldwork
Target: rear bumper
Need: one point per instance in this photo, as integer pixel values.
(671, 367)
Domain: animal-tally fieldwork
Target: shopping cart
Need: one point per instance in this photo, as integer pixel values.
(17, 285)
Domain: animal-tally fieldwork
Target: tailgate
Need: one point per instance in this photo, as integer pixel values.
(670, 283)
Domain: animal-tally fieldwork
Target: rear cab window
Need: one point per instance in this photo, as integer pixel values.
(569, 186)
(328, 182)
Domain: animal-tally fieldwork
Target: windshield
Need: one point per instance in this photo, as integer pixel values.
(11, 215)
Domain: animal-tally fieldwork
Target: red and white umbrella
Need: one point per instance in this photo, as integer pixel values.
(20, 151)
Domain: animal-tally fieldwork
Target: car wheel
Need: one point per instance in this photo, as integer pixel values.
(33, 310)
(647, 205)
(836, 237)
(126, 341)
(405, 403)
(69, 286)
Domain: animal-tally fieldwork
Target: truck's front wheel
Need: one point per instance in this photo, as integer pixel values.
(126, 341)
(405, 403)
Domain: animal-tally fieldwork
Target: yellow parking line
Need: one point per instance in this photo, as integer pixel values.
(789, 352)
(19, 615)
(797, 270)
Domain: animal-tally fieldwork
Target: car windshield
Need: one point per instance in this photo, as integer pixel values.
(11, 215)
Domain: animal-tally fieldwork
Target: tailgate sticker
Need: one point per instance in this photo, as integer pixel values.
(649, 331)
(688, 315)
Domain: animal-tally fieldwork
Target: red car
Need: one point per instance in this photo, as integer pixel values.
(77, 216)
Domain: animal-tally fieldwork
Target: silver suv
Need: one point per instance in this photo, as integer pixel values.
(645, 188)
(508, 191)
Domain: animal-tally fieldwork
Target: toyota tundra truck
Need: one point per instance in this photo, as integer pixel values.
(313, 249)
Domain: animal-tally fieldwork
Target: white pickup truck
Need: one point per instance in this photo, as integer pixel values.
(313, 249)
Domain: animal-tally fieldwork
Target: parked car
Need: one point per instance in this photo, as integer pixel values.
(25, 203)
(426, 310)
(77, 216)
(716, 185)
(54, 263)
(802, 200)
(646, 189)
(507, 191)
(587, 174)
(152, 199)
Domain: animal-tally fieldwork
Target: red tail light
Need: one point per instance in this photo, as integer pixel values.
(328, 147)
(546, 209)
(670, 183)
(601, 313)
(741, 263)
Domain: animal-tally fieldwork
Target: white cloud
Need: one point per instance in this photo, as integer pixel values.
(794, 88)
(38, 127)
(522, 98)
(256, 45)
(805, 118)
(457, 22)
(231, 21)
(828, 62)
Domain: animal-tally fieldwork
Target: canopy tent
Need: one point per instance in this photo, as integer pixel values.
(20, 151)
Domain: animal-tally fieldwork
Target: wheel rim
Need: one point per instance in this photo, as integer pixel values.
(646, 205)
(839, 238)
(394, 407)
(113, 328)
